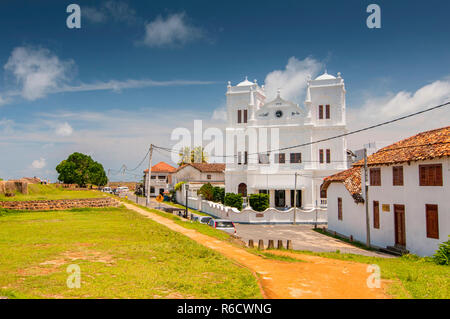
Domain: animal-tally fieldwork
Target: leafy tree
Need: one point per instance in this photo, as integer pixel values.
(442, 256)
(259, 202)
(207, 191)
(218, 194)
(178, 186)
(196, 155)
(233, 200)
(81, 169)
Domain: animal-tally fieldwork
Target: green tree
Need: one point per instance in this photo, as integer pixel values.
(233, 200)
(218, 194)
(81, 169)
(207, 191)
(196, 155)
(259, 202)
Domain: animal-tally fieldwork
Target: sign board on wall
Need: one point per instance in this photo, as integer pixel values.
(386, 207)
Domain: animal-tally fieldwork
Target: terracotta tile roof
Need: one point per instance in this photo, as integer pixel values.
(162, 167)
(351, 178)
(422, 146)
(205, 167)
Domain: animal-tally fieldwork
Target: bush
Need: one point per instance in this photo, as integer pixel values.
(259, 202)
(178, 186)
(442, 255)
(207, 191)
(233, 200)
(218, 194)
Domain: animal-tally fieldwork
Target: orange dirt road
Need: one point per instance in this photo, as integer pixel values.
(316, 277)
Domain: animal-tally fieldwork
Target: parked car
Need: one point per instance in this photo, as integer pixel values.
(107, 190)
(223, 224)
(202, 219)
(122, 189)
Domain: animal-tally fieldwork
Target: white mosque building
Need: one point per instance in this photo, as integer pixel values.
(267, 165)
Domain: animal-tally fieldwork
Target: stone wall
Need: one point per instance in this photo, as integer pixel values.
(60, 204)
(14, 186)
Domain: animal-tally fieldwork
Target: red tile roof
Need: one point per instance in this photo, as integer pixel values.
(205, 167)
(351, 179)
(162, 167)
(422, 146)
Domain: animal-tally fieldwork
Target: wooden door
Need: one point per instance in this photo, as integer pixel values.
(399, 224)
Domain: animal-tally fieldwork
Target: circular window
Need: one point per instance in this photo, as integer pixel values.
(278, 113)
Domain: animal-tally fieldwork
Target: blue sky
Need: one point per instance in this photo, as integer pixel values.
(138, 69)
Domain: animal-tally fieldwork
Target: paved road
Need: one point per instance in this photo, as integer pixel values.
(303, 238)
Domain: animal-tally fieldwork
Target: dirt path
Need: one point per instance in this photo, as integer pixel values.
(317, 277)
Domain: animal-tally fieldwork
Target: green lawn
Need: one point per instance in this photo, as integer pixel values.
(50, 192)
(121, 254)
(408, 276)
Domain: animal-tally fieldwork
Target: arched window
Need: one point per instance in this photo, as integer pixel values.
(242, 189)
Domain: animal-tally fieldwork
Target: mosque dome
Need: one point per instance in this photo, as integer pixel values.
(246, 82)
(326, 76)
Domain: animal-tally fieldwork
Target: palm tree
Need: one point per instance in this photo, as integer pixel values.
(196, 155)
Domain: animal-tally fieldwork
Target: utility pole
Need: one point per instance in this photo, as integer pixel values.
(149, 175)
(109, 170)
(295, 199)
(366, 199)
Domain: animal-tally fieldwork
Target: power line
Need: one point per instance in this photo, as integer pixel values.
(340, 135)
(131, 170)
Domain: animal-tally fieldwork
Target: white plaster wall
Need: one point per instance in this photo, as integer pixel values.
(353, 221)
(413, 196)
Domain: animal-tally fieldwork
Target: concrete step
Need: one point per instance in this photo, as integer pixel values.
(394, 250)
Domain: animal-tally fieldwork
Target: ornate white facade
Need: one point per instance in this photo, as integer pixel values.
(263, 165)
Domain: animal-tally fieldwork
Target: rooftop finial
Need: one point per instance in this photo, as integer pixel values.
(278, 92)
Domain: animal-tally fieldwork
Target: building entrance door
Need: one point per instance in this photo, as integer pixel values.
(399, 221)
(242, 189)
(280, 198)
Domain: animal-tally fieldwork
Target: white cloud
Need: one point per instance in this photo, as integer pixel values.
(38, 164)
(293, 79)
(118, 11)
(93, 15)
(37, 71)
(6, 126)
(3, 100)
(174, 30)
(64, 129)
(115, 85)
(219, 114)
(380, 109)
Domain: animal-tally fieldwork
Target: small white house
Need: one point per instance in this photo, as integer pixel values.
(198, 174)
(161, 178)
(409, 190)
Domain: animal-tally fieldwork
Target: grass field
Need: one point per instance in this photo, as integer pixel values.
(121, 254)
(50, 192)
